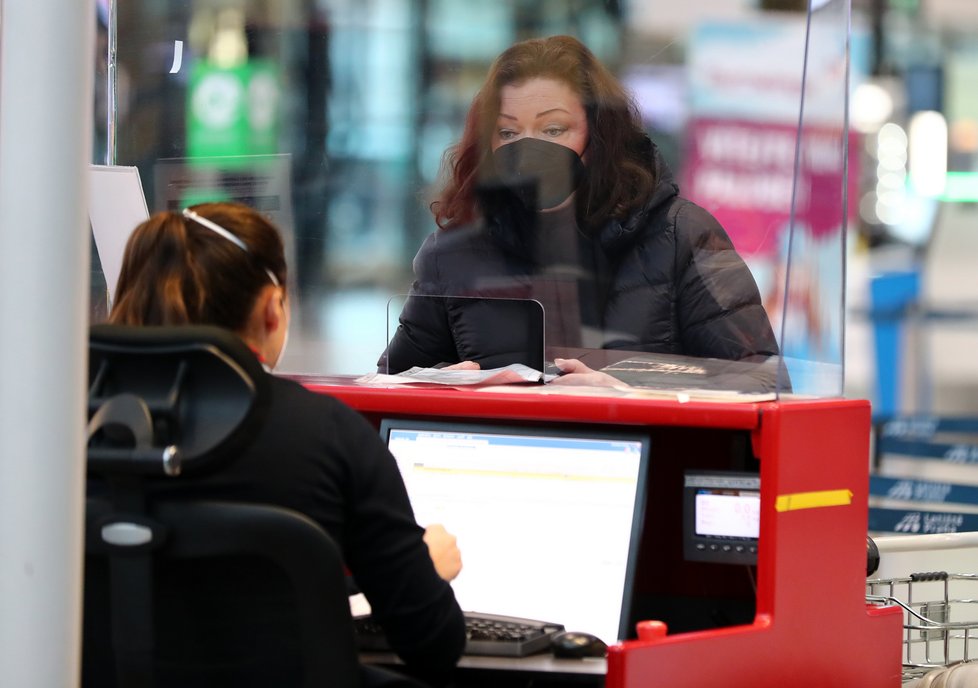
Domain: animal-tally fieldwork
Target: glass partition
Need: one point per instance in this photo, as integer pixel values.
(812, 255)
(770, 157)
(489, 330)
(437, 333)
(335, 119)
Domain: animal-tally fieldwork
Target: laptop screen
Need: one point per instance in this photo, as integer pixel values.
(548, 521)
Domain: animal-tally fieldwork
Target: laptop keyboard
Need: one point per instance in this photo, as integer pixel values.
(486, 634)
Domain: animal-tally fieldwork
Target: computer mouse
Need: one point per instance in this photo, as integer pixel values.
(576, 645)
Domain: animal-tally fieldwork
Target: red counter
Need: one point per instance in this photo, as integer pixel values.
(809, 624)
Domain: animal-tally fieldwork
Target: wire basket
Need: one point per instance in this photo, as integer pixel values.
(940, 617)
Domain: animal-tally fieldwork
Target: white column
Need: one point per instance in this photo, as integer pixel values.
(46, 72)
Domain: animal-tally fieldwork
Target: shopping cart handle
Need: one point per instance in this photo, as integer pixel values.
(929, 576)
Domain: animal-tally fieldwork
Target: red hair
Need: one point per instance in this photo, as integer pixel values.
(619, 175)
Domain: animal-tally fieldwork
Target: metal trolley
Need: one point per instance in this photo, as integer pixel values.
(940, 617)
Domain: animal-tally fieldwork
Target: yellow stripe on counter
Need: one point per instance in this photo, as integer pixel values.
(813, 500)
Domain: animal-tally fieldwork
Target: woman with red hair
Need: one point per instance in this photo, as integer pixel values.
(556, 194)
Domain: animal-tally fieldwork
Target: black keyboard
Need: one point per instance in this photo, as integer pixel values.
(486, 634)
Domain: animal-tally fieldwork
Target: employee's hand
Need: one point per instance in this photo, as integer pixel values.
(464, 365)
(443, 551)
(576, 373)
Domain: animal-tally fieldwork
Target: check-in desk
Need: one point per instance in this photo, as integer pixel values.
(799, 617)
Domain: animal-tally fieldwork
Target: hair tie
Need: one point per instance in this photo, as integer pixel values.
(230, 236)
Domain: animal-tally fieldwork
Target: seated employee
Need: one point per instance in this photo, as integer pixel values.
(223, 264)
(556, 194)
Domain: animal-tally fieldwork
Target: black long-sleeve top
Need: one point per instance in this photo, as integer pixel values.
(321, 458)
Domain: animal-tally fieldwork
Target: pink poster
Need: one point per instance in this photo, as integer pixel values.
(743, 172)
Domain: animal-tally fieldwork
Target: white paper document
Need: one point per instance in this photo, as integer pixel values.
(116, 205)
(513, 373)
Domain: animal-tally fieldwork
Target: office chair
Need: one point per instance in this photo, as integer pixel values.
(187, 591)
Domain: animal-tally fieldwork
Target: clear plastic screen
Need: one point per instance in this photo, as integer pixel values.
(770, 157)
(334, 118)
(824, 201)
(434, 332)
(427, 331)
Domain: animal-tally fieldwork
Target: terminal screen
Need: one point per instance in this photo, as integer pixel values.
(721, 516)
(728, 513)
(548, 521)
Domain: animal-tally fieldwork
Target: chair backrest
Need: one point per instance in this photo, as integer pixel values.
(156, 390)
(185, 591)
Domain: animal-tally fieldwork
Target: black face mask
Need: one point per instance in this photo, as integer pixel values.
(540, 173)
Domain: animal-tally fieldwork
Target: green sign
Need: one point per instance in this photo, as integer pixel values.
(233, 111)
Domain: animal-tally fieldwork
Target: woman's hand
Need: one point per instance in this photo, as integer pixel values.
(576, 373)
(443, 550)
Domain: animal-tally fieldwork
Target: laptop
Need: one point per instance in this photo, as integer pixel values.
(548, 520)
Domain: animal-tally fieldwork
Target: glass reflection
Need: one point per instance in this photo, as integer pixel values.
(356, 102)
(555, 193)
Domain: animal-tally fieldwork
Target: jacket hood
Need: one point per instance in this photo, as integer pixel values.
(617, 235)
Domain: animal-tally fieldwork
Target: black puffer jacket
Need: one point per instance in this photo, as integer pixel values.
(667, 280)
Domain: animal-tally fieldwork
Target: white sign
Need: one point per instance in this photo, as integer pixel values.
(116, 206)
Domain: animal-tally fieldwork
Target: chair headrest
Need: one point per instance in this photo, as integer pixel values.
(170, 400)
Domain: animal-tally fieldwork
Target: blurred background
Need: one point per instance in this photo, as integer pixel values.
(333, 117)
